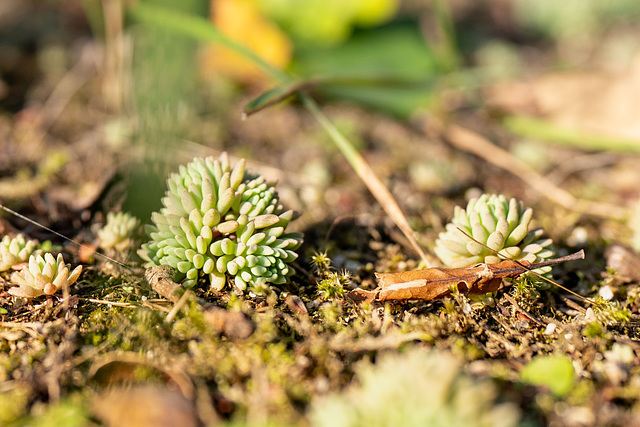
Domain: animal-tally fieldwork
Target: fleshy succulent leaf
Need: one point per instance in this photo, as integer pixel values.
(220, 222)
(496, 225)
(43, 276)
(15, 250)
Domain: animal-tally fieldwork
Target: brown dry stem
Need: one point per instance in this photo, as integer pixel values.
(467, 140)
(160, 279)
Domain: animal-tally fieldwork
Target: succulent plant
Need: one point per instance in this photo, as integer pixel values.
(15, 250)
(119, 231)
(44, 276)
(500, 224)
(223, 222)
(418, 388)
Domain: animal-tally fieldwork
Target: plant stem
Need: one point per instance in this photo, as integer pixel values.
(204, 30)
(366, 174)
(199, 29)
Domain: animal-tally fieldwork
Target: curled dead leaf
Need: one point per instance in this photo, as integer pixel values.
(144, 406)
(435, 283)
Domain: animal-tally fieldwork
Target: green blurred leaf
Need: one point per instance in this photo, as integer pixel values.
(554, 372)
(548, 131)
(392, 68)
(271, 97)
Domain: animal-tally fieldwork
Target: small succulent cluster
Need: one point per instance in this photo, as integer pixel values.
(43, 276)
(15, 250)
(500, 224)
(223, 222)
(119, 231)
(418, 388)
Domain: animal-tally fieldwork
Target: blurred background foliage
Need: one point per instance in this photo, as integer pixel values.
(519, 71)
(164, 89)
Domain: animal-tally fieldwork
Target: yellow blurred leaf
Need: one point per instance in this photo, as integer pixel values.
(241, 21)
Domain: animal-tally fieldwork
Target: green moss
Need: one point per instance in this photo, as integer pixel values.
(594, 329)
(69, 412)
(14, 404)
(332, 286)
(581, 393)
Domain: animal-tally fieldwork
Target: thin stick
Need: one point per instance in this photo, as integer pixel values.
(37, 224)
(477, 144)
(523, 311)
(177, 306)
(573, 257)
(368, 176)
(110, 303)
(202, 29)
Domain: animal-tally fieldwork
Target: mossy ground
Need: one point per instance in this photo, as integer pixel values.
(60, 361)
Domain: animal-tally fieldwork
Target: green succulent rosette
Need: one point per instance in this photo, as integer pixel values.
(43, 276)
(15, 250)
(119, 231)
(223, 222)
(502, 225)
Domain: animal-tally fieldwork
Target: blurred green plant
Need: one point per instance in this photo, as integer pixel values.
(388, 68)
(418, 388)
(555, 372)
(119, 232)
(545, 130)
(72, 411)
(326, 22)
(15, 250)
(573, 19)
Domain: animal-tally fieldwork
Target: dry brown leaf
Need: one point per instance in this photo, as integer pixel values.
(145, 407)
(436, 283)
(240, 20)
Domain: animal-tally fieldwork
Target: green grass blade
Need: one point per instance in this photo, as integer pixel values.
(202, 29)
(366, 174)
(548, 131)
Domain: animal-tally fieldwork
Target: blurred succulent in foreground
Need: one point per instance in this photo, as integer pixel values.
(418, 388)
(43, 276)
(119, 231)
(15, 250)
(498, 223)
(222, 222)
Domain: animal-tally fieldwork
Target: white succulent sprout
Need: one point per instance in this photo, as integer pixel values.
(15, 250)
(43, 276)
(222, 222)
(119, 231)
(499, 224)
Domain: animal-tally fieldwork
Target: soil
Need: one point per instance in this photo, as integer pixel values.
(114, 351)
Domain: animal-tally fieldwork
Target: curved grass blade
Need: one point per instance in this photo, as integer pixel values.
(202, 29)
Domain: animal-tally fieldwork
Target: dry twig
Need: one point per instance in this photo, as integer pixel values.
(472, 142)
